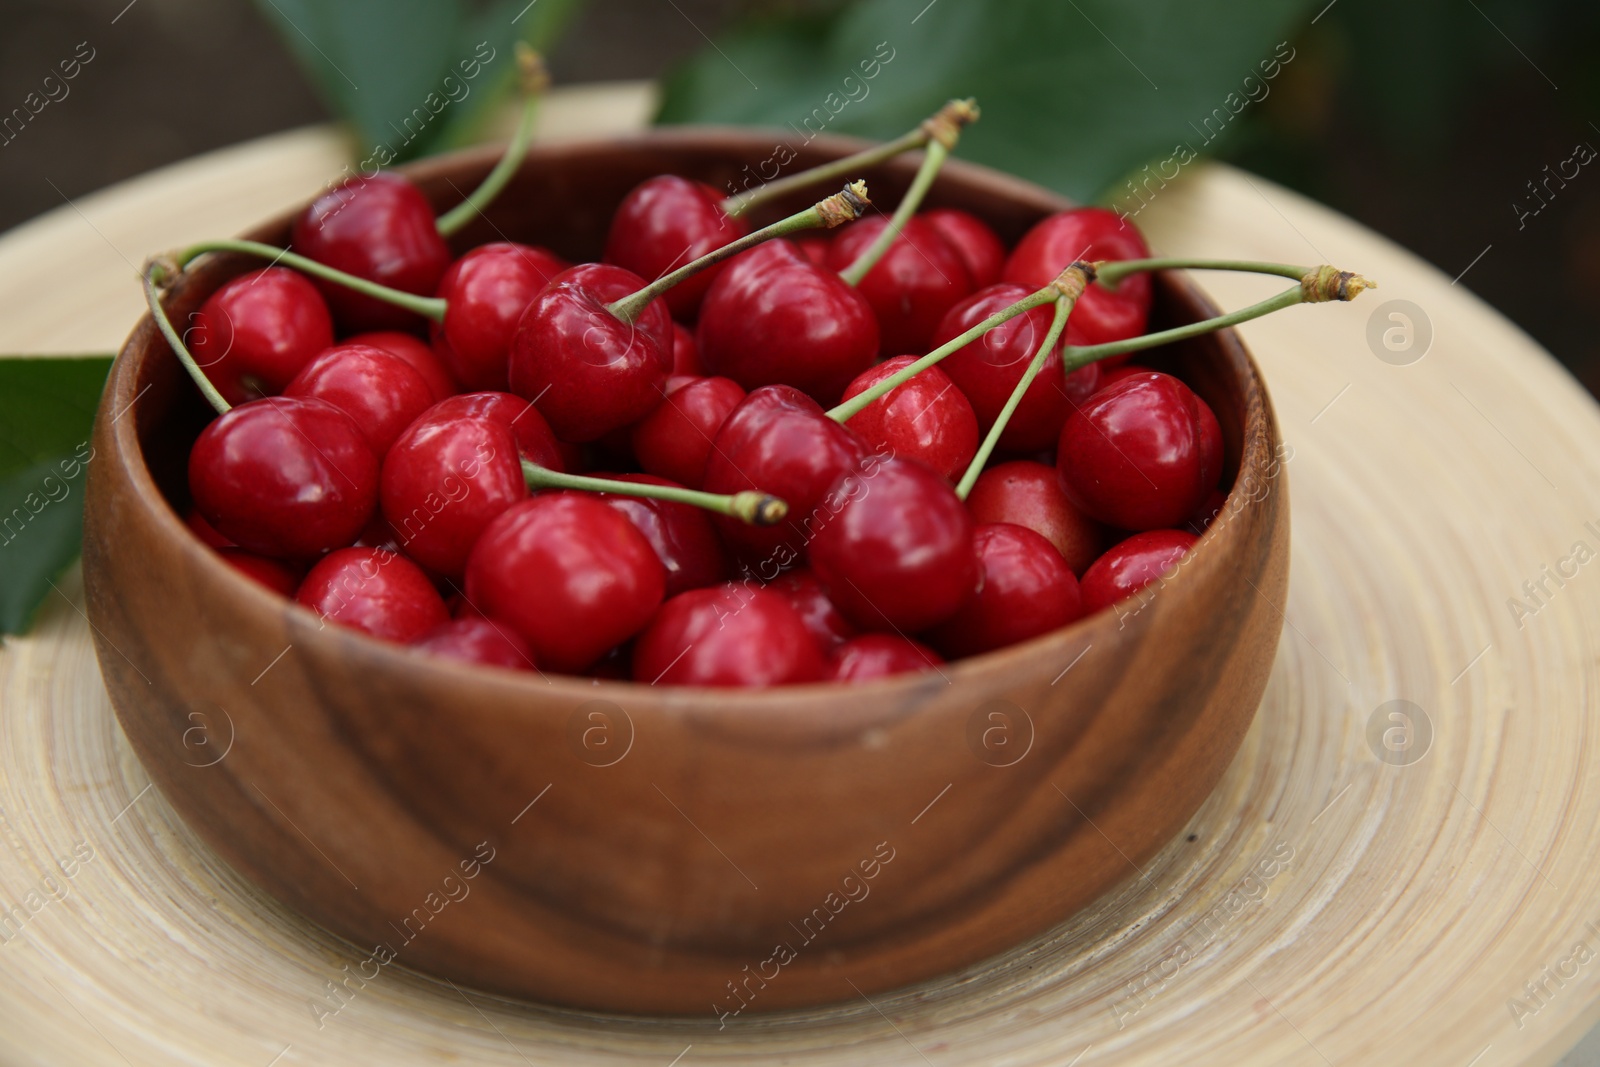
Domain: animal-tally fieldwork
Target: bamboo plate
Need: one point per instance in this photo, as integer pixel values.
(1360, 889)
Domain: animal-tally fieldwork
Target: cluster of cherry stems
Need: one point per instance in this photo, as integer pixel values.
(762, 537)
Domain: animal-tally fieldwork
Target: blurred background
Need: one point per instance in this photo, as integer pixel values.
(1460, 128)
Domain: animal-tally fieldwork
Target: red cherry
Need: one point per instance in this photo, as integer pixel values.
(204, 530)
(379, 390)
(423, 359)
(275, 574)
(780, 442)
(377, 592)
(1087, 233)
(1026, 590)
(1133, 564)
(478, 641)
(987, 370)
(288, 477)
(444, 481)
(1029, 494)
(1141, 454)
(535, 440)
(586, 370)
(814, 248)
(774, 316)
(806, 596)
(574, 577)
(978, 246)
(897, 553)
(1207, 513)
(728, 635)
(253, 335)
(918, 279)
(680, 534)
(1110, 375)
(685, 356)
(665, 223)
(379, 227)
(925, 418)
(486, 291)
(674, 440)
(873, 656)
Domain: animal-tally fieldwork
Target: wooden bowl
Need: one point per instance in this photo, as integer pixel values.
(621, 847)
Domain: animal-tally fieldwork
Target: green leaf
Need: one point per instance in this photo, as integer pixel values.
(46, 412)
(411, 76)
(1075, 95)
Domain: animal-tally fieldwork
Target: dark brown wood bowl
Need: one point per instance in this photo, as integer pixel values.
(667, 850)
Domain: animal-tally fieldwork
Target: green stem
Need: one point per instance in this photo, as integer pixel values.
(534, 83)
(1074, 357)
(1064, 305)
(952, 115)
(164, 324)
(851, 407)
(426, 306)
(1110, 272)
(937, 153)
(751, 506)
(843, 206)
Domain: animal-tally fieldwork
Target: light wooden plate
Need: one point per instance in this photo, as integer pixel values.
(1333, 906)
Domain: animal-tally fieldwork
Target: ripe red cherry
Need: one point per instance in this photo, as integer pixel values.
(1133, 564)
(925, 418)
(685, 355)
(379, 227)
(478, 641)
(729, 635)
(1029, 494)
(574, 577)
(379, 390)
(674, 440)
(897, 555)
(918, 279)
(1026, 590)
(535, 440)
(681, 535)
(978, 246)
(586, 370)
(377, 592)
(1110, 375)
(275, 574)
(444, 481)
(871, 656)
(486, 291)
(254, 334)
(774, 316)
(665, 223)
(1087, 233)
(1141, 454)
(780, 442)
(423, 359)
(289, 477)
(988, 369)
(806, 596)
(204, 530)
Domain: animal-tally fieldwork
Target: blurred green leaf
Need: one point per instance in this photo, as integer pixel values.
(46, 412)
(1075, 94)
(411, 76)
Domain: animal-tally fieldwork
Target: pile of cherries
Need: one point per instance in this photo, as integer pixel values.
(428, 473)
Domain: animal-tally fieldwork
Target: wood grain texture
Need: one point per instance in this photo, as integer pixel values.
(1420, 899)
(706, 851)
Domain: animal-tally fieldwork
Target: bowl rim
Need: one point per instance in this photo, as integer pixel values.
(1258, 434)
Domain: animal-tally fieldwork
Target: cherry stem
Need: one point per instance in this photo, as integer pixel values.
(1114, 271)
(157, 273)
(845, 411)
(844, 206)
(535, 80)
(952, 115)
(937, 153)
(427, 306)
(1064, 305)
(751, 506)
